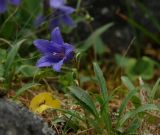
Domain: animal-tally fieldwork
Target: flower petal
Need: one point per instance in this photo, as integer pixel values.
(56, 3)
(57, 66)
(44, 62)
(48, 60)
(3, 5)
(44, 46)
(68, 20)
(56, 48)
(48, 47)
(56, 36)
(69, 52)
(67, 9)
(68, 48)
(15, 2)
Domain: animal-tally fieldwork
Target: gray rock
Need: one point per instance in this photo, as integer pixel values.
(17, 120)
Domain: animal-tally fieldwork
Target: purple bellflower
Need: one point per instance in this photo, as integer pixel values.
(4, 3)
(55, 52)
(59, 18)
(61, 15)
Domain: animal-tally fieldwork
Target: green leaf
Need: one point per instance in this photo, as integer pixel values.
(11, 56)
(31, 4)
(144, 67)
(134, 68)
(101, 81)
(103, 88)
(3, 54)
(7, 28)
(133, 126)
(135, 99)
(25, 87)
(72, 113)
(125, 62)
(1, 71)
(27, 70)
(127, 83)
(99, 46)
(96, 34)
(126, 100)
(155, 89)
(85, 100)
(140, 109)
(124, 104)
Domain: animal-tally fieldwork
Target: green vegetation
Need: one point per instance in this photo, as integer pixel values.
(96, 90)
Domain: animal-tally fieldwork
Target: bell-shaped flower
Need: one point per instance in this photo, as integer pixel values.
(55, 52)
(61, 15)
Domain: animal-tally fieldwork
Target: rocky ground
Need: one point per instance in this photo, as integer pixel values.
(17, 120)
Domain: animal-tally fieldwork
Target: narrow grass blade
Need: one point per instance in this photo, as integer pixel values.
(11, 56)
(72, 113)
(133, 126)
(25, 87)
(135, 99)
(103, 88)
(85, 100)
(101, 81)
(96, 34)
(143, 108)
(126, 100)
(127, 83)
(155, 88)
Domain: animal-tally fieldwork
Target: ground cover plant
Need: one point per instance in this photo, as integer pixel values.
(60, 60)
